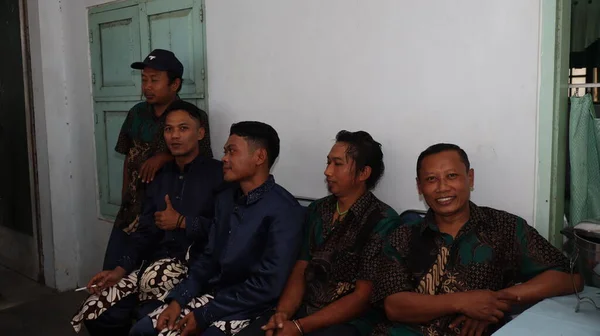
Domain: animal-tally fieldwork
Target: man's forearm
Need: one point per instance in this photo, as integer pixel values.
(409, 307)
(291, 299)
(341, 311)
(545, 285)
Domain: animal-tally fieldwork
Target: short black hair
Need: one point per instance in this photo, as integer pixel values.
(260, 134)
(194, 112)
(172, 77)
(364, 151)
(443, 147)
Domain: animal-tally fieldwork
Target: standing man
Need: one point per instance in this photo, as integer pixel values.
(141, 141)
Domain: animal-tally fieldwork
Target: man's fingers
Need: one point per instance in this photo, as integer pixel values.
(503, 305)
(480, 330)
(168, 202)
(189, 330)
(495, 317)
(181, 325)
(162, 322)
(506, 296)
(143, 171)
(171, 323)
(278, 321)
(270, 324)
(269, 332)
(464, 330)
(151, 174)
(457, 321)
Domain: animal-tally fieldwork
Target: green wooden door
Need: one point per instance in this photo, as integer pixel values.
(114, 45)
(177, 26)
(123, 33)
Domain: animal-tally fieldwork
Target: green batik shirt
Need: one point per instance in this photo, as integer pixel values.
(141, 137)
(336, 254)
(493, 250)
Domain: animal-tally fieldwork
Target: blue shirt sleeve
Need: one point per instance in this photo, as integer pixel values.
(197, 227)
(146, 235)
(202, 268)
(267, 283)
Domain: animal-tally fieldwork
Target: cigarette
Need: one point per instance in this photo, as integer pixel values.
(84, 288)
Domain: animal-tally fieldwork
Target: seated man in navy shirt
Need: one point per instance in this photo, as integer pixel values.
(173, 218)
(253, 244)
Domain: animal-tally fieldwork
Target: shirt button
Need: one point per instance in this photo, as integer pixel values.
(181, 177)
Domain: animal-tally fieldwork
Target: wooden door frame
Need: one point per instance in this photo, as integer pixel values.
(555, 30)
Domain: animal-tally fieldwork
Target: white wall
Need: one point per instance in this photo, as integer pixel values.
(412, 73)
(74, 239)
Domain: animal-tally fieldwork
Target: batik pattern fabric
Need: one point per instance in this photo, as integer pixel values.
(154, 284)
(336, 252)
(493, 250)
(229, 328)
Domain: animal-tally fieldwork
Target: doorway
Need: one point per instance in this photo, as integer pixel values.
(19, 239)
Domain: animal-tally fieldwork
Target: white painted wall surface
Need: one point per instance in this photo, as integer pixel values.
(412, 73)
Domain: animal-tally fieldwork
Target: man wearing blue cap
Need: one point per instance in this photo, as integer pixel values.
(141, 141)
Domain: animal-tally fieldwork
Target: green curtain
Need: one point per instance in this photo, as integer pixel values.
(584, 149)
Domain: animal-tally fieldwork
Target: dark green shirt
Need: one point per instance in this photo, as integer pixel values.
(142, 137)
(335, 252)
(493, 250)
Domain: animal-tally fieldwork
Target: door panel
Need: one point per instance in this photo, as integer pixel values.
(109, 119)
(120, 36)
(177, 26)
(114, 45)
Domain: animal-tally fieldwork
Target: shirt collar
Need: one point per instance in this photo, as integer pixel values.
(476, 217)
(256, 194)
(150, 109)
(175, 168)
(358, 208)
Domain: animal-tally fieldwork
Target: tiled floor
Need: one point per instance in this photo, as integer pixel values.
(27, 308)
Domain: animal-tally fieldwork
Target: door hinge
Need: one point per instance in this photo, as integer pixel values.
(100, 194)
(93, 78)
(96, 118)
(203, 73)
(91, 36)
(201, 13)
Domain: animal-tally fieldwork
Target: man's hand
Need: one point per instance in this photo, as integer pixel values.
(166, 219)
(275, 323)
(470, 327)
(169, 316)
(288, 329)
(485, 305)
(105, 279)
(152, 165)
(187, 325)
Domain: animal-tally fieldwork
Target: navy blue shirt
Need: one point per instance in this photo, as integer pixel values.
(192, 193)
(253, 244)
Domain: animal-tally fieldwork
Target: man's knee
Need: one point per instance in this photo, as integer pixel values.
(143, 327)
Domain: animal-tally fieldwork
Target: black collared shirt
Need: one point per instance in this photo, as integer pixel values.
(192, 194)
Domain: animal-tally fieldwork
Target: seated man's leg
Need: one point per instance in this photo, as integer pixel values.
(116, 320)
(115, 248)
(144, 325)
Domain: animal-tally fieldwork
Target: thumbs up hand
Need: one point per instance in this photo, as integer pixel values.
(166, 219)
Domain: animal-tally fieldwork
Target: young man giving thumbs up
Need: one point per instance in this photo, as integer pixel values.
(177, 211)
